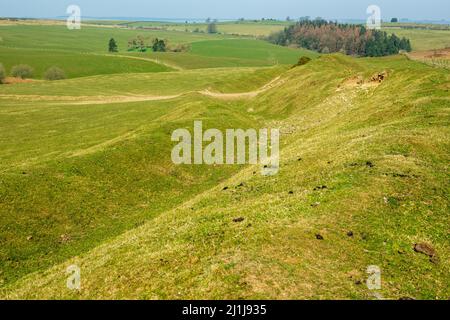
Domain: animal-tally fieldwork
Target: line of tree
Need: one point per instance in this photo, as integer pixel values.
(158, 45)
(142, 44)
(139, 43)
(329, 37)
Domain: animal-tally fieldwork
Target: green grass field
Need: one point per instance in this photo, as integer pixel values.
(424, 39)
(246, 28)
(88, 39)
(75, 64)
(79, 52)
(423, 36)
(86, 175)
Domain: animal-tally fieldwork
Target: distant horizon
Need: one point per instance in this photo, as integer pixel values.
(415, 10)
(200, 20)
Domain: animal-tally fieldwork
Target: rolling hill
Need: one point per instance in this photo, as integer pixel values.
(87, 179)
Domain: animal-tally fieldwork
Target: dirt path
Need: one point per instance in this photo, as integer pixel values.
(243, 95)
(169, 65)
(122, 99)
(91, 100)
(87, 100)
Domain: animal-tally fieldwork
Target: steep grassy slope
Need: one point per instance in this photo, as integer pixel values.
(89, 172)
(378, 151)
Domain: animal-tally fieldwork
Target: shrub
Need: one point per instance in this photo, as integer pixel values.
(178, 48)
(22, 71)
(302, 61)
(159, 45)
(2, 73)
(54, 73)
(113, 46)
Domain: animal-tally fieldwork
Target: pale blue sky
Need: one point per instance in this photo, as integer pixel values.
(223, 9)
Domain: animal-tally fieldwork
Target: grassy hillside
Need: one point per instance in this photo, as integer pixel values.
(94, 185)
(75, 64)
(267, 53)
(84, 52)
(87, 39)
(167, 83)
(231, 53)
(54, 150)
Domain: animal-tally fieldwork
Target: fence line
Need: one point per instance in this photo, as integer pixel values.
(439, 63)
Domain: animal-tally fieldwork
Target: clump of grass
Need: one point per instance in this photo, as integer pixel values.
(22, 71)
(302, 61)
(55, 73)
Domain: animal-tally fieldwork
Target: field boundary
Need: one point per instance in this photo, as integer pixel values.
(433, 62)
(166, 64)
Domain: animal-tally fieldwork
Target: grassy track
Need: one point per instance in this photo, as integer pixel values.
(167, 83)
